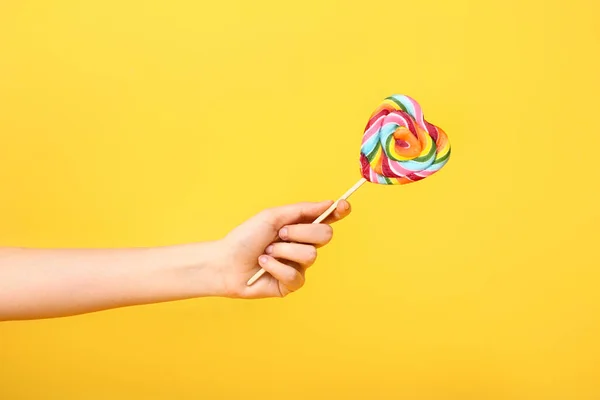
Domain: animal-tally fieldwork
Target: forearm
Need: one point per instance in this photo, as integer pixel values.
(54, 283)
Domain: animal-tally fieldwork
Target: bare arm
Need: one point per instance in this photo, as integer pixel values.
(53, 283)
(37, 283)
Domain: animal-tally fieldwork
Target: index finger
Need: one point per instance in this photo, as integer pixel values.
(342, 210)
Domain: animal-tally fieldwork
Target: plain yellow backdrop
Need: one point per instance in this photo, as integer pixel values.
(140, 123)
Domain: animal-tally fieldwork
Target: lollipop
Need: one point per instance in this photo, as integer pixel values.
(398, 147)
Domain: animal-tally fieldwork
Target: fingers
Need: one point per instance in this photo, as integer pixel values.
(315, 234)
(305, 212)
(287, 276)
(303, 254)
(342, 210)
(294, 213)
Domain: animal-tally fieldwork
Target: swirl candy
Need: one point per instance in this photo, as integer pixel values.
(399, 146)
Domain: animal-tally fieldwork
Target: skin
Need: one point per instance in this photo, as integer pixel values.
(37, 283)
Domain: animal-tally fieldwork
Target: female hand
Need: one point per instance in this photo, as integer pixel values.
(283, 241)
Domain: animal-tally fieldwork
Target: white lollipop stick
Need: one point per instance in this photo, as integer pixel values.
(320, 219)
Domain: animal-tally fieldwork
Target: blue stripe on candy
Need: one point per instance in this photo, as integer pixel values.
(370, 145)
(406, 102)
(417, 165)
(385, 132)
(436, 166)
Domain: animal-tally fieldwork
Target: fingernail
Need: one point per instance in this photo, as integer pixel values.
(345, 206)
(263, 259)
(269, 249)
(283, 233)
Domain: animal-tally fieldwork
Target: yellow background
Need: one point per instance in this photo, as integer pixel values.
(140, 123)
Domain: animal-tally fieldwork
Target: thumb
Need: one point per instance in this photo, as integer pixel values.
(299, 212)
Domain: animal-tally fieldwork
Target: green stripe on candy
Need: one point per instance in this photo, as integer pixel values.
(398, 103)
(387, 146)
(371, 155)
(427, 156)
(446, 156)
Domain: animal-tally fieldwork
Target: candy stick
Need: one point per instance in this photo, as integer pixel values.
(319, 219)
(345, 196)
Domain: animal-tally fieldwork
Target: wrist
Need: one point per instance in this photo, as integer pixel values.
(194, 270)
(180, 272)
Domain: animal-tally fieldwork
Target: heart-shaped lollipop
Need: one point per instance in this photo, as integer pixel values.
(398, 147)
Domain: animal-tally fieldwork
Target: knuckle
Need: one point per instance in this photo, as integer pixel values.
(298, 281)
(267, 214)
(292, 277)
(328, 232)
(311, 255)
(270, 217)
(301, 282)
(267, 211)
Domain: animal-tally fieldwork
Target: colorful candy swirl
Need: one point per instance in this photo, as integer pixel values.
(399, 146)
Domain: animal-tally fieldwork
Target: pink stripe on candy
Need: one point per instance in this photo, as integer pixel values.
(395, 168)
(403, 119)
(373, 129)
(418, 112)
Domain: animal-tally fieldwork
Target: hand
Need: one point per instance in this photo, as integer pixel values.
(283, 241)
